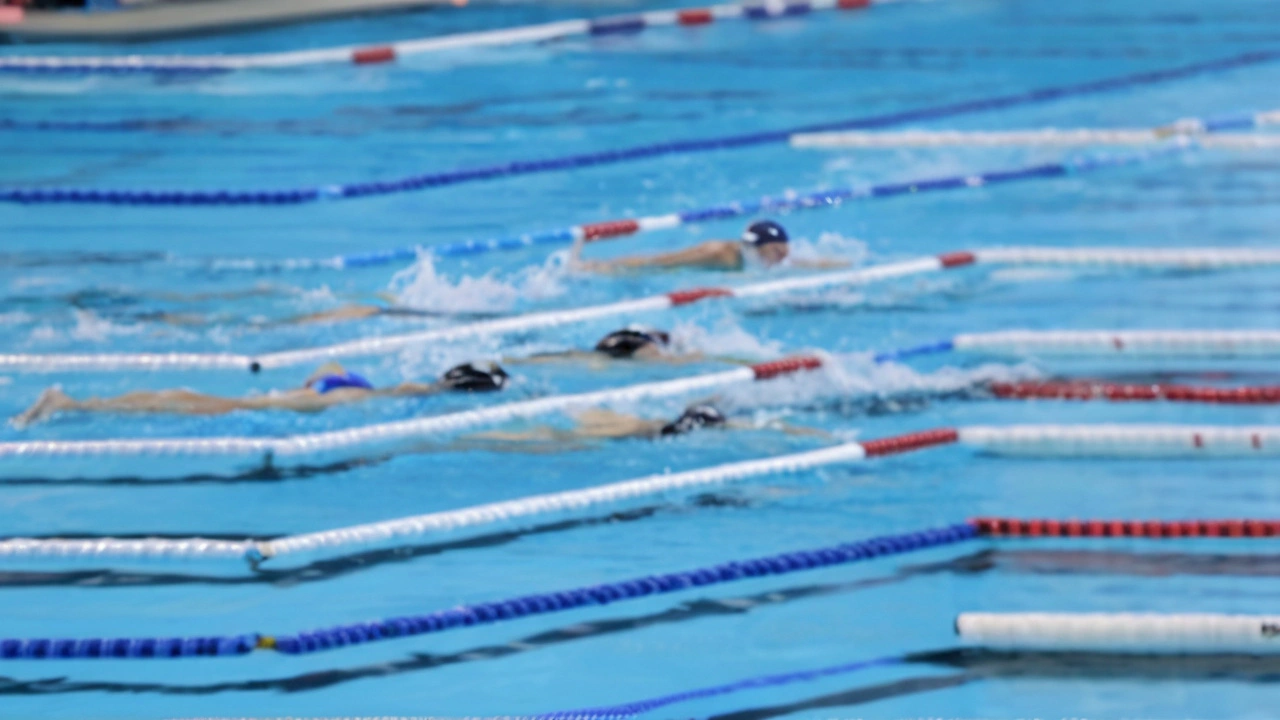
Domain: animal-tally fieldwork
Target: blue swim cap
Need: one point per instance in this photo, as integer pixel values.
(347, 379)
(762, 232)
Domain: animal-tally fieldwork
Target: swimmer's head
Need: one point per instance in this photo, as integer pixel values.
(698, 416)
(469, 378)
(626, 343)
(768, 239)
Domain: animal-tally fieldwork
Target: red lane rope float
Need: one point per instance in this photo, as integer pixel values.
(609, 229)
(1021, 528)
(910, 441)
(1122, 392)
(786, 366)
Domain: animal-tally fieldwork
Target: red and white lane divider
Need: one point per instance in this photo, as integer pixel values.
(1115, 258)
(368, 436)
(1133, 392)
(1123, 632)
(377, 54)
(1104, 440)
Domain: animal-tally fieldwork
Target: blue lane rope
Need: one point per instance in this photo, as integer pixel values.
(485, 613)
(632, 709)
(934, 348)
(296, 196)
(123, 125)
(833, 197)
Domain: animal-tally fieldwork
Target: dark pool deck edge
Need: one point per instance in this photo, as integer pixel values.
(195, 17)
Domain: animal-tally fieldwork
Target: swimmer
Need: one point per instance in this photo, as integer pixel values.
(328, 386)
(635, 343)
(125, 306)
(764, 243)
(599, 424)
(387, 308)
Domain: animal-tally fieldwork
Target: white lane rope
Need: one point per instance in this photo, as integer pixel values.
(1194, 131)
(1134, 343)
(1123, 632)
(1139, 441)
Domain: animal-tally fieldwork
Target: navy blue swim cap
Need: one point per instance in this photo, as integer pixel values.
(762, 232)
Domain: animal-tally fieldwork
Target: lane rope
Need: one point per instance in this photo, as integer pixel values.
(1085, 343)
(1042, 440)
(1017, 342)
(602, 594)
(632, 709)
(1123, 632)
(356, 438)
(1095, 632)
(20, 362)
(1205, 133)
(390, 52)
(295, 196)
(1134, 392)
(788, 201)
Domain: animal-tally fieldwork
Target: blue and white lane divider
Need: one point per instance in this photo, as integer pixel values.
(389, 52)
(1093, 343)
(1209, 133)
(308, 194)
(1110, 258)
(786, 202)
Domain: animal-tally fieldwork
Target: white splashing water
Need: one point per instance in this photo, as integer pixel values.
(857, 376)
(725, 339)
(829, 245)
(422, 287)
(89, 327)
(16, 317)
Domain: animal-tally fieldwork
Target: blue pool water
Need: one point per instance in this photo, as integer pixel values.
(68, 282)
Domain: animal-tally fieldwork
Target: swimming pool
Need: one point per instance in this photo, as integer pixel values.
(95, 278)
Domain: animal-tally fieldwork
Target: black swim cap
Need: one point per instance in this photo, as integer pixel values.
(469, 378)
(698, 416)
(622, 344)
(762, 232)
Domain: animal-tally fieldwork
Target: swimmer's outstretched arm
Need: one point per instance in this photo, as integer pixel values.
(181, 402)
(591, 425)
(410, 389)
(559, 356)
(821, 264)
(711, 255)
(341, 314)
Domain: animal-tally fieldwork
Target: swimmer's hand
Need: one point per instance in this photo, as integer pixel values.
(329, 368)
(50, 402)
